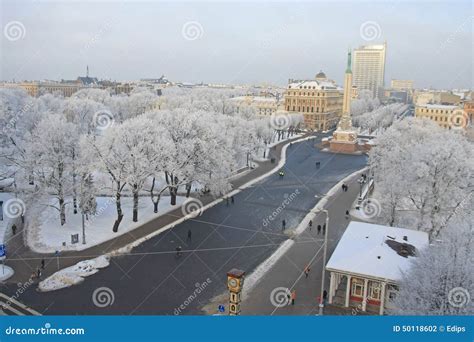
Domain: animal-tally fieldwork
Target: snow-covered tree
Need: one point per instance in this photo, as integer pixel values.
(440, 280)
(49, 155)
(422, 174)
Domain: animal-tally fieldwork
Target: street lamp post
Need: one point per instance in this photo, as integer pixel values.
(323, 272)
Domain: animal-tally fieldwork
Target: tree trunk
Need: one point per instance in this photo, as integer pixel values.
(135, 202)
(155, 206)
(118, 205)
(173, 192)
(62, 211)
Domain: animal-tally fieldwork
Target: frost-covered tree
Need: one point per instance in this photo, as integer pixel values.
(422, 174)
(440, 280)
(48, 152)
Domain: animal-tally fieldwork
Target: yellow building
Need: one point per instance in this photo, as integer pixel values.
(36, 89)
(264, 105)
(446, 116)
(423, 97)
(401, 84)
(320, 102)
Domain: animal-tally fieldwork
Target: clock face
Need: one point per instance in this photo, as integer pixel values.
(232, 282)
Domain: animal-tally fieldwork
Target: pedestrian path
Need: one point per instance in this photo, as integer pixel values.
(270, 295)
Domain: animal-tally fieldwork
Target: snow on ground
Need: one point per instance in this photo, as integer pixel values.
(74, 274)
(48, 235)
(5, 272)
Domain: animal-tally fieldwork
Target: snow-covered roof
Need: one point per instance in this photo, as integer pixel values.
(363, 250)
(439, 106)
(312, 84)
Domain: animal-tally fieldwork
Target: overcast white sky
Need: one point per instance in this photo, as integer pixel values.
(239, 42)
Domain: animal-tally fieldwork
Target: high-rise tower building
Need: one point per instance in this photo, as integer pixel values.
(369, 68)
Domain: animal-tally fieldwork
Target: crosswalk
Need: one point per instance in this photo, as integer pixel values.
(11, 307)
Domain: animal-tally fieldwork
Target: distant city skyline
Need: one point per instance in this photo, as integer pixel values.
(234, 43)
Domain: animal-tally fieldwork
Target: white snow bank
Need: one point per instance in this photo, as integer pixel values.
(74, 274)
(46, 235)
(5, 272)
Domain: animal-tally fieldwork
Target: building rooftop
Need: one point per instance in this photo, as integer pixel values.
(439, 106)
(376, 251)
(313, 84)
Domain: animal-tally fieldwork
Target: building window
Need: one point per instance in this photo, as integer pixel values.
(357, 287)
(374, 290)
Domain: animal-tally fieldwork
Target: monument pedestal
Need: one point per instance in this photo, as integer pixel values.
(344, 142)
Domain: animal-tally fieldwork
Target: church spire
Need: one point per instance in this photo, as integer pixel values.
(87, 71)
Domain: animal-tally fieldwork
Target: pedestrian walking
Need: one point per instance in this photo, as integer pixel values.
(283, 225)
(42, 264)
(306, 271)
(310, 224)
(14, 229)
(343, 187)
(293, 297)
(38, 273)
(232, 199)
(319, 229)
(325, 297)
(227, 201)
(318, 164)
(324, 228)
(347, 214)
(189, 234)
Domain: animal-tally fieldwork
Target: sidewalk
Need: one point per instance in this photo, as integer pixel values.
(288, 272)
(25, 262)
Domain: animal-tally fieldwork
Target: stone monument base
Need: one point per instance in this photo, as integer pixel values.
(343, 147)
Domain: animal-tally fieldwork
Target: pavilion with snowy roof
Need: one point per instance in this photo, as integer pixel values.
(368, 262)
